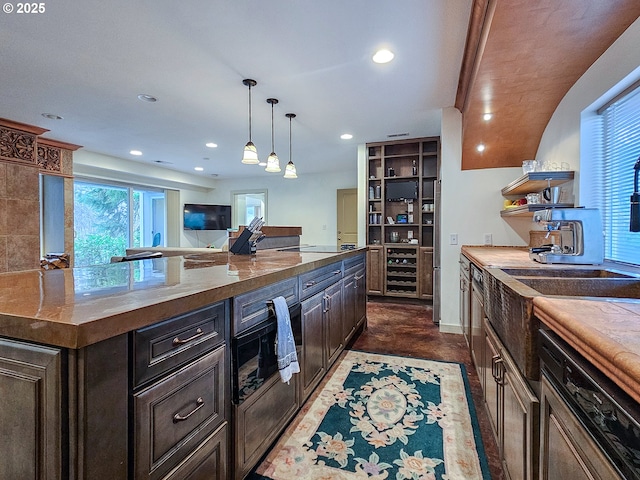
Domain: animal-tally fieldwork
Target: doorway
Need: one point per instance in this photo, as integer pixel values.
(347, 231)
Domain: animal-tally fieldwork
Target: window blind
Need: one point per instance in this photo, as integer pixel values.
(620, 151)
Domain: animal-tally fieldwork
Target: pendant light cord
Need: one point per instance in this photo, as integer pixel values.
(272, 147)
(290, 138)
(250, 112)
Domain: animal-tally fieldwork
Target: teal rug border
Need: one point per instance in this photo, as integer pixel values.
(477, 435)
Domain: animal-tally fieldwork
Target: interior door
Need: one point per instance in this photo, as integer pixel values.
(347, 217)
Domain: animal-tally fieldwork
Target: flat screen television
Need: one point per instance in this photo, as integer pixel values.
(402, 190)
(206, 217)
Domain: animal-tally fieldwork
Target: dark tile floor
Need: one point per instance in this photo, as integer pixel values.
(406, 329)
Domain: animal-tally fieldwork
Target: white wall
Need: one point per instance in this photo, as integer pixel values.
(617, 68)
(310, 201)
(470, 206)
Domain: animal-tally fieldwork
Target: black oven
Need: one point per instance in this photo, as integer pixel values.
(253, 354)
(611, 417)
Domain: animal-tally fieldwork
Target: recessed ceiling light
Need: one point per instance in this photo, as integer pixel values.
(346, 136)
(262, 164)
(147, 98)
(487, 117)
(480, 147)
(137, 153)
(211, 145)
(383, 56)
(198, 169)
(52, 116)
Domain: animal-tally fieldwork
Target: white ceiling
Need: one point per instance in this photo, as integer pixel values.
(87, 62)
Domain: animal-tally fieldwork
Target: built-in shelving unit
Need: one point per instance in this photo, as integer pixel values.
(403, 207)
(534, 182)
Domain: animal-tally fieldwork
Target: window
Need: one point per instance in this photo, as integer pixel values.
(247, 205)
(109, 218)
(619, 151)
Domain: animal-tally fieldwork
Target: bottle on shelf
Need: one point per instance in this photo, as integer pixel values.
(414, 168)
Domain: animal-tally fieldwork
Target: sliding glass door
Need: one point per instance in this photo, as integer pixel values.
(110, 218)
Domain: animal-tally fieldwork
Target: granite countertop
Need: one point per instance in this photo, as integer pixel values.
(605, 331)
(77, 307)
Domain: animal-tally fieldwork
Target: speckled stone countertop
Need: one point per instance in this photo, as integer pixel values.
(605, 331)
(77, 307)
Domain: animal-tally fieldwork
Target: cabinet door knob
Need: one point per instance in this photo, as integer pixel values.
(181, 418)
(178, 341)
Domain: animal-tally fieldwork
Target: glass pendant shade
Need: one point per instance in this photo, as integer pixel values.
(273, 163)
(250, 156)
(290, 170)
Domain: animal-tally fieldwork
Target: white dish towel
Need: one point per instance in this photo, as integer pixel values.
(285, 343)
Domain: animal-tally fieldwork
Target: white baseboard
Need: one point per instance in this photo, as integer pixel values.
(450, 329)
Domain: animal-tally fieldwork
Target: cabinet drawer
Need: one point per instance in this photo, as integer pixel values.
(207, 462)
(317, 280)
(166, 345)
(352, 264)
(250, 308)
(175, 415)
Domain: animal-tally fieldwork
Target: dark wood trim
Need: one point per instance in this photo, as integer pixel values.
(57, 143)
(477, 33)
(23, 127)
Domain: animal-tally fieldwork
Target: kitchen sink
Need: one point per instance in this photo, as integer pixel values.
(567, 272)
(584, 287)
(509, 294)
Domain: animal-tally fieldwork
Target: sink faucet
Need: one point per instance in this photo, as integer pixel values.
(582, 240)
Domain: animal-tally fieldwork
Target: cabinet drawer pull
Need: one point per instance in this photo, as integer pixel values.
(178, 341)
(310, 284)
(179, 418)
(337, 272)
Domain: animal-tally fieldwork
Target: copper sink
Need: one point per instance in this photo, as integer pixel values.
(567, 272)
(584, 287)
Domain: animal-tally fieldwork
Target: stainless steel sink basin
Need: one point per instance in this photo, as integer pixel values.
(567, 272)
(585, 287)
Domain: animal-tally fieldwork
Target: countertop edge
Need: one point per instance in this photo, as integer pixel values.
(77, 336)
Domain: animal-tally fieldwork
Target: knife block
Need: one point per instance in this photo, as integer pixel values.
(242, 246)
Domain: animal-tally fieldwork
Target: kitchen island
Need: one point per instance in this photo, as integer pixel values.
(91, 356)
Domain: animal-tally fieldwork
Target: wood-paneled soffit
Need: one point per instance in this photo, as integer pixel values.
(521, 58)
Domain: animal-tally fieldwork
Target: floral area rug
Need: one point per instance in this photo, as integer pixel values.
(383, 416)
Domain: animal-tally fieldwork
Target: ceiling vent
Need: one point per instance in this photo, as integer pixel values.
(396, 135)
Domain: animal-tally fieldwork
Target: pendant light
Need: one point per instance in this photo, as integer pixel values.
(290, 169)
(250, 155)
(273, 163)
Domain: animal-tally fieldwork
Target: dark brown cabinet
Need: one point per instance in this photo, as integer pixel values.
(260, 419)
(566, 449)
(354, 297)
(175, 415)
(403, 196)
(476, 316)
(31, 392)
(375, 270)
(513, 410)
(333, 322)
(322, 335)
(425, 276)
(313, 363)
(208, 461)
